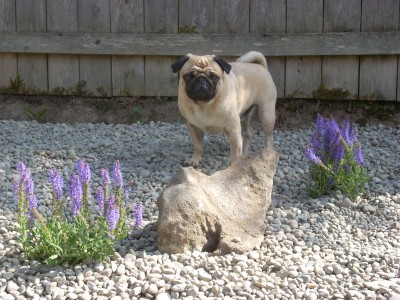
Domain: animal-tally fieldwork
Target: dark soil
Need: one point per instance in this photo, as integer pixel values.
(291, 113)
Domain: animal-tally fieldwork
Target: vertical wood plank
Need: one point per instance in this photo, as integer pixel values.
(160, 17)
(378, 77)
(378, 73)
(95, 70)
(127, 71)
(269, 16)
(398, 78)
(62, 16)
(32, 68)
(231, 16)
(337, 71)
(303, 74)
(196, 16)
(8, 61)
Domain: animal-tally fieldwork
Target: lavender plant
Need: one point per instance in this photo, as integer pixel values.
(336, 159)
(76, 238)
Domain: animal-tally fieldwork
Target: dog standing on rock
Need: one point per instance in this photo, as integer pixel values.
(215, 96)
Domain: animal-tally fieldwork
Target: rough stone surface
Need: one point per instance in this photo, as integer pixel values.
(212, 213)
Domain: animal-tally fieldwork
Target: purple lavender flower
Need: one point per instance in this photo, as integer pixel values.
(138, 214)
(118, 175)
(347, 132)
(21, 168)
(75, 192)
(57, 182)
(311, 156)
(100, 198)
(32, 200)
(83, 171)
(105, 176)
(358, 157)
(112, 216)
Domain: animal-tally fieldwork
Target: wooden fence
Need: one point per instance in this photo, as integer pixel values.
(126, 47)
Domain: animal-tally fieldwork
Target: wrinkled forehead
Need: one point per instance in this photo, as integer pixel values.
(201, 62)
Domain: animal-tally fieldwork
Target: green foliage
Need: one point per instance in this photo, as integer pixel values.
(136, 114)
(101, 91)
(39, 116)
(188, 29)
(336, 160)
(348, 177)
(324, 93)
(56, 240)
(64, 238)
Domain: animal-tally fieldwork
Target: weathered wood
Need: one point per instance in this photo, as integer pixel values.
(231, 16)
(304, 16)
(94, 16)
(269, 16)
(32, 68)
(398, 78)
(7, 16)
(196, 16)
(63, 70)
(378, 73)
(8, 61)
(303, 74)
(378, 77)
(161, 17)
(159, 79)
(306, 44)
(128, 76)
(127, 71)
(127, 16)
(342, 72)
(95, 74)
(382, 15)
(342, 16)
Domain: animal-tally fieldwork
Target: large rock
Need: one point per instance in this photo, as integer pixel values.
(224, 212)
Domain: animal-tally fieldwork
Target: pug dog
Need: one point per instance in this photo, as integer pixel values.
(215, 96)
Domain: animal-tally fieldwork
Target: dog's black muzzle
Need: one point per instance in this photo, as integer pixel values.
(200, 88)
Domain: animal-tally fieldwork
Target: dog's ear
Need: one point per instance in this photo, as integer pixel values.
(176, 66)
(223, 64)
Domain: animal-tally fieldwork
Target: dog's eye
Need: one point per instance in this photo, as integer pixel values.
(189, 76)
(214, 77)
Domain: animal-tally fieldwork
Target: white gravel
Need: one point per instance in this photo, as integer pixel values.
(326, 248)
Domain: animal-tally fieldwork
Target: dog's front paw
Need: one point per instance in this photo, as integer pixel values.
(193, 162)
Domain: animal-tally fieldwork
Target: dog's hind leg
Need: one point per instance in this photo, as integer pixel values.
(267, 118)
(247, 130)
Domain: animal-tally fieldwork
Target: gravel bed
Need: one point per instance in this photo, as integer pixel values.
(326, 248)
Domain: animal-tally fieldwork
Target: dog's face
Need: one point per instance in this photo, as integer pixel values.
(201, 76)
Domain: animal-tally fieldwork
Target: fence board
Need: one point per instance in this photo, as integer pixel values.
(303, 74)
(270, 17)
(343, 72)
(8, 61)
(94, 16)
(398, 78)
(306, 44)
(63, 70)
(160, 17)
(127, 71)
(196, 16)
(32, 68)
(378, 74)
(231, 16)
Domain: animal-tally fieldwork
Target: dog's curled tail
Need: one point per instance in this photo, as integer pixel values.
(253, 57)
